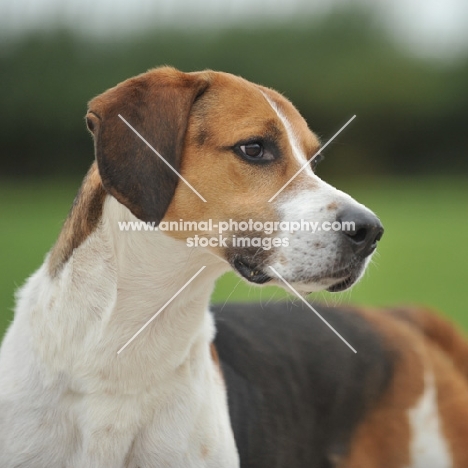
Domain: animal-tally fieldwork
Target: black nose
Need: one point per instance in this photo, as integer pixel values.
(362, 229)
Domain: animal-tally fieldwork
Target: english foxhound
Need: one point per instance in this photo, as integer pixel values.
(284, 392)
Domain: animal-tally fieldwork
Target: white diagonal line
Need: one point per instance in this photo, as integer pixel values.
(161, 309)
(309, 160)
(159, 155)
(312, 309)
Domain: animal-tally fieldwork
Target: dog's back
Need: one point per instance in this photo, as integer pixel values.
(299, 397)
(295, 391)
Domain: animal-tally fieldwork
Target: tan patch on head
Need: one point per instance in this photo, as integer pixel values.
(332, 206)
(82, 220)
(234, 110)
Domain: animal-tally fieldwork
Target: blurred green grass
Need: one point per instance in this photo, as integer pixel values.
(423, 257)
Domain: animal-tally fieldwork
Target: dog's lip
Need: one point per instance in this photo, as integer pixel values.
(251, 272)
(343, 284)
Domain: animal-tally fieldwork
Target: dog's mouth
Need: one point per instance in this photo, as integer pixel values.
(252, 268)
(250, 271)
(253, 273)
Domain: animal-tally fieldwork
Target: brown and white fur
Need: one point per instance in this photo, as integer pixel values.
(67, 399)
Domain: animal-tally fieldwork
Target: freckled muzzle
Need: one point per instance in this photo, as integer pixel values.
(349, 252)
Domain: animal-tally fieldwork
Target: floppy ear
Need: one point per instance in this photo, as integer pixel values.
(157, 104)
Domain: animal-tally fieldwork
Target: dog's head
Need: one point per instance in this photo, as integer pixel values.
(240, 146)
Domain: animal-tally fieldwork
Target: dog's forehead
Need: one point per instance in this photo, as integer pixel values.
(295, 125)
(250, 108)
(232, 98)
(288, 111)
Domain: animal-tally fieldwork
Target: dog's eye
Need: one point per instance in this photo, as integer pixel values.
(316, 160)
(256, 151)
(252, 150)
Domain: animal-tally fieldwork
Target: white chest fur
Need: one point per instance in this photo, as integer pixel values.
(68, 400)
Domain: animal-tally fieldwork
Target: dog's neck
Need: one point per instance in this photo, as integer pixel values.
(84, 304)
(116, 281)
(151, 269)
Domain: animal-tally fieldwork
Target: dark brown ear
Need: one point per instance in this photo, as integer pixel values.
(157, 104)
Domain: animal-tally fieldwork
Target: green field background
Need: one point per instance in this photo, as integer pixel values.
(423, 257)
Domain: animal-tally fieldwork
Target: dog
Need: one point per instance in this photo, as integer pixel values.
(79, 389)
